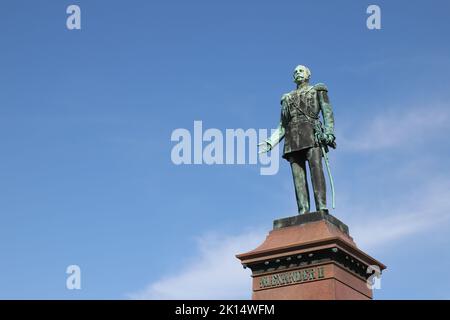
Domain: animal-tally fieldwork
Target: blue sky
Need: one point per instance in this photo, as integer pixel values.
(86, 117)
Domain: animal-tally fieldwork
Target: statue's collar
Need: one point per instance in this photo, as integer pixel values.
(304, 89)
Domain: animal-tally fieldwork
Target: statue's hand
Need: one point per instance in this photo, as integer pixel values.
(264, 147)
(329, 140)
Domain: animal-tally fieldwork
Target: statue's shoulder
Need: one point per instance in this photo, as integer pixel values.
(320, 87)
(287, 96)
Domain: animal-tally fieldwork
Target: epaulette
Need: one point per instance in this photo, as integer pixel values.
(285, 96)
(320, 87)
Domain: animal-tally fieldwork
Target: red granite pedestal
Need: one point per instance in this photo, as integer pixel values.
(309, 257)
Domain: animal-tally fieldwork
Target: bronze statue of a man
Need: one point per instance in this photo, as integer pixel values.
(306, 137)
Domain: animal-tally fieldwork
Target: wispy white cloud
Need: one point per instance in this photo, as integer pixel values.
(396, 128)
(411, 209)
(421, 210)
(215, 274)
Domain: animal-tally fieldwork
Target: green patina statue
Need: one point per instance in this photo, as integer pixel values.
(306, 137)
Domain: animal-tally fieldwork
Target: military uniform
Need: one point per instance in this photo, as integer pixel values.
(301, 127)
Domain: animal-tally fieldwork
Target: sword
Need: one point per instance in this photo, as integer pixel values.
(318, 135)
(327, 164)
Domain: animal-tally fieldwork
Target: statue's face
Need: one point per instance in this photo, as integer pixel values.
(301, 74)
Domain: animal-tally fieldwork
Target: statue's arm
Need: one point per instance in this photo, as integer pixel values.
(276, 136)
(279, 132)
(327, 111)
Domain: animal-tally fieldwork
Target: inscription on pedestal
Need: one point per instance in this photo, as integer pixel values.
(291, 277)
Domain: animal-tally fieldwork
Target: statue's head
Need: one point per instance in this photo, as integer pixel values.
(301, 74)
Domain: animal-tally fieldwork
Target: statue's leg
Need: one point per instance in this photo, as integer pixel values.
(314, 156)
(298, 166)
